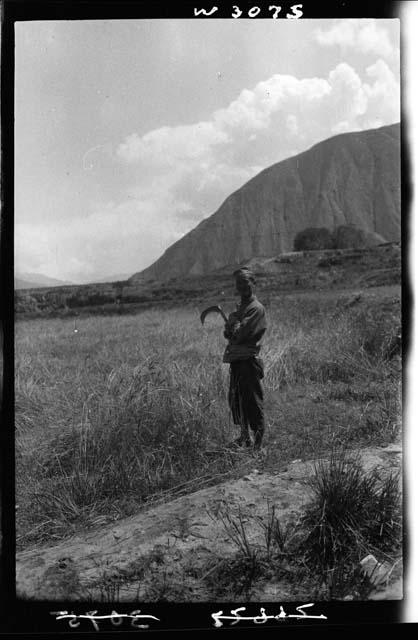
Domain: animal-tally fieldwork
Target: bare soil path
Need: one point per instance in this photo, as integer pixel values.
(179, 539)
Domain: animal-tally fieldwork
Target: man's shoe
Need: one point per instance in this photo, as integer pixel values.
(258, 437)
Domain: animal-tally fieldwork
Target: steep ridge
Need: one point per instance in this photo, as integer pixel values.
(352, 178)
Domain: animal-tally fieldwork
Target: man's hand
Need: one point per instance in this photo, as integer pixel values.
(231, 325)
(232, 318)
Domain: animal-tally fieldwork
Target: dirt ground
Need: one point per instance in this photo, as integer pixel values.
(182, 541)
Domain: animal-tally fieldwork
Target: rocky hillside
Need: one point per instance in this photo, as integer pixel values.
(353, 178)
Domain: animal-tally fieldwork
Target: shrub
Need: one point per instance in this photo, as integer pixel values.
(379, 334)
(25, 302)
(352, 237)
(99, 298)
(313, 239)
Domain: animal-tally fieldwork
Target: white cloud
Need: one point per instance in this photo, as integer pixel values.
(384, 94)
(170, 145)
(252, 110)
(348, 98)
(109, 241)
(180, 175)
(260, 127)
(365, 36)
(292, 124)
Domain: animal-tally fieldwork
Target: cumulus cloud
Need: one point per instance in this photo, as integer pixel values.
(169, 145)
(382, 92)
(202, 162)
(365, 36)
(179, 175)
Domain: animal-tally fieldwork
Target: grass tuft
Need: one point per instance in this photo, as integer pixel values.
(353, 513)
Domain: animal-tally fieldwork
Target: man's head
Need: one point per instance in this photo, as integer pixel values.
(244, 282)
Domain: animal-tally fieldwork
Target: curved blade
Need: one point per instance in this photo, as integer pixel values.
(214, 309)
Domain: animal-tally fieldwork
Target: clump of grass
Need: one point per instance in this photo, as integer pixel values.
(353, 512)
(165, 589)
(237, 532)
(234, 578)
(379, 333)
(109, 586)
(256, 559)
(277, 537)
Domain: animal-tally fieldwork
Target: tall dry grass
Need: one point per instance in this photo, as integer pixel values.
(123, 410)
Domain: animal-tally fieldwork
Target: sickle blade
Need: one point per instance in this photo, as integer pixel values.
(213, 309)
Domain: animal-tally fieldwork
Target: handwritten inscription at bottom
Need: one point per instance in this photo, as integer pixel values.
(236, 616)
(137, 619)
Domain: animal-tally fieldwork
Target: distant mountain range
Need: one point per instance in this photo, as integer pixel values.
(36, 280)
(349, 179)
(115, 278)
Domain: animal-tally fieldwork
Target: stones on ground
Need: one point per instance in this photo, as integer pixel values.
(386, 578)
(377, 572)
(391, 592)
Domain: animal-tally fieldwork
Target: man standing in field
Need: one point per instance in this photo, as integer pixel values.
(244, 330)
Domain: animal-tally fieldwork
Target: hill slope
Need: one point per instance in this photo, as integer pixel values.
(353, 178)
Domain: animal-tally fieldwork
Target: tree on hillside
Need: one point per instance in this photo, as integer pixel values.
(313, 239)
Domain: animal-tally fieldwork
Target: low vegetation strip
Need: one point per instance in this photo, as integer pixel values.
(288, 272)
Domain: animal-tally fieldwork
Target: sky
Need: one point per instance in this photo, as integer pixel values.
(129, 132)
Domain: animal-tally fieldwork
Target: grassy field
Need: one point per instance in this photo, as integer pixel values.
(123, 411)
